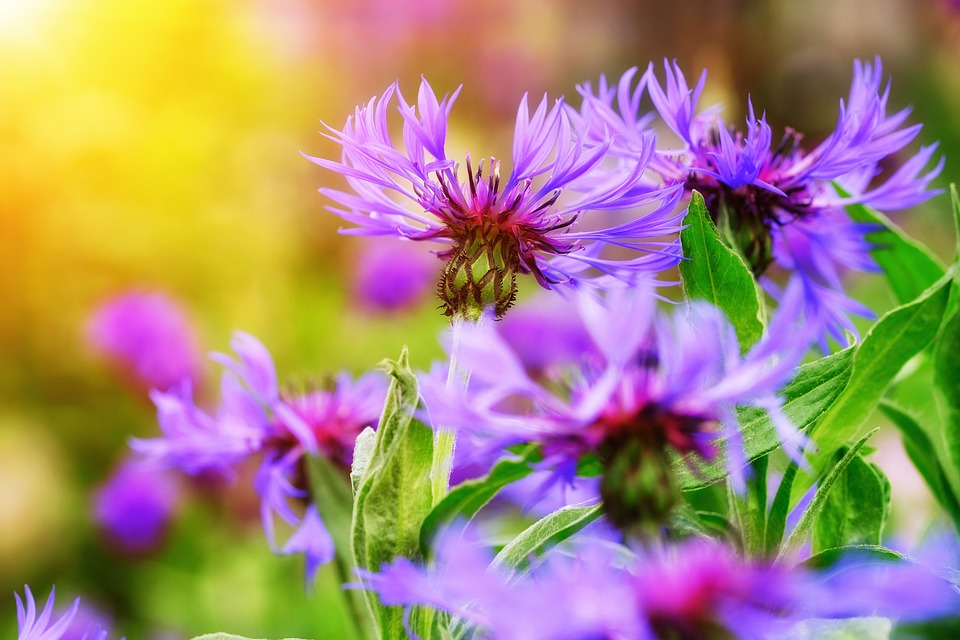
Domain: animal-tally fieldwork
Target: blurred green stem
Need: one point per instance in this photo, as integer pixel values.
(446, 439)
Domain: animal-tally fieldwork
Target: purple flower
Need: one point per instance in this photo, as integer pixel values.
(30, 626)
(255, 419)
(697, 589)
(776, 200)
(149, 336)
(135, 506)
(491, 229)
(390, 276)
(544, 334)
(653, 383)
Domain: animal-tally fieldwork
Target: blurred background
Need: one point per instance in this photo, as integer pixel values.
(150, 165)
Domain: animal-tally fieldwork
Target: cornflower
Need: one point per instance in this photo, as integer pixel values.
(255, 419)
(651, 384)
(777, 203)
(696, 589)
(491, 229)
(30, 626)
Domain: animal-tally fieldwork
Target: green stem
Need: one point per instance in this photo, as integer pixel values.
(446, 439)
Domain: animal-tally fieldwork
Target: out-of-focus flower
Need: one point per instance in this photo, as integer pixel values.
(134, 507)
(31, 626)
(545, 332)
(652, 383)
(149, 336)
(777, 202)
(491, 229)
(697, 589)
(255, 419)
(391, 276)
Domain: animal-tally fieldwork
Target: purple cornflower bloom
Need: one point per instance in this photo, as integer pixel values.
(30, 626)
(544, 334)
(149, 336)
(391, 276)
(493, 229)
(698, 589)
(256, 419)
(652, 383)
(134, 507)
(776, 201)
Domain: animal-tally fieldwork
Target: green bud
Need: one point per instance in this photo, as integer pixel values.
(482, 274)
(639, 489)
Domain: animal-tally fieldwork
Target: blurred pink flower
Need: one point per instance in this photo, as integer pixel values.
(134, 507)
(149, 337)
(390, 276)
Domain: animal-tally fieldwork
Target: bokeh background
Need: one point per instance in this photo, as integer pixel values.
(155, 147)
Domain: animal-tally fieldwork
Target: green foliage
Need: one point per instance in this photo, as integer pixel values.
(925, 458)
(797, 536)
(467, 498)
(806, 397)
(394, 495)
(909, 267)
(898, 336)
(717, 274)
(779, 510)
(554, 528)
(946, 379)
(856, 510)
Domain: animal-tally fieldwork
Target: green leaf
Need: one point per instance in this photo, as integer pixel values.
(856, 510)
(796, 537)
(394, 495)
(909, 266)
(921, 452)
(891, 342)
(749, 511)
(715, 273)
(779, 510)
(467, 498)
(946, 384)
(554, 528)
(873, 628)
(867, 553)
(811, 391)
(333, 498)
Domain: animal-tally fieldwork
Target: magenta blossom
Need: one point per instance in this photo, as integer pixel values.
(255, 419)
(776, 201)
(488, 228)
(651, 383)
(696, 589)
(149, 336)
(135, 506)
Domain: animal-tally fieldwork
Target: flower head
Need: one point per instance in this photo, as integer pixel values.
(134, 507)
(149, 336)
(391, 276)
(651, 384)
(696, 589)
(30, 626)
(255, 419)
(492, 228)
(777, 201)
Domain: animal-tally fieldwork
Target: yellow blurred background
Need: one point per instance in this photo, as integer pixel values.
(156, 146)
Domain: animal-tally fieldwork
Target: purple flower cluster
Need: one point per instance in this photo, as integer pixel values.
(31, 626)
(255, 419)
(526, 223)
(697, 589)
(778, 201)
(650, 383)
